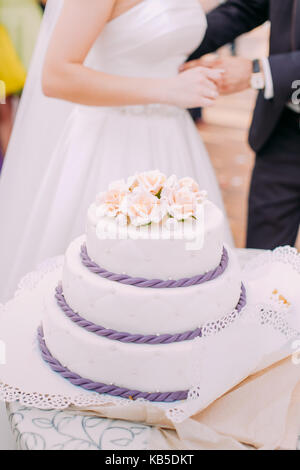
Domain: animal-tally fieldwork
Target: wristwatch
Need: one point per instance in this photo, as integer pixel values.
(257, 77)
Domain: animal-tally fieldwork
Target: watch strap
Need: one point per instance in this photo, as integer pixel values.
(256, 66)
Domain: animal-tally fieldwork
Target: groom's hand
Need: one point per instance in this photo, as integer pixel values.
(208, 61)
(236, 76)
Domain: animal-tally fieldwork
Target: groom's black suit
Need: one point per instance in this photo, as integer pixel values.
(274, 205)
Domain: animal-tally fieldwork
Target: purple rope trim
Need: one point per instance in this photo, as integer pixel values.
(154, 283)
(119, 336)
(130, 338)
(100, 388)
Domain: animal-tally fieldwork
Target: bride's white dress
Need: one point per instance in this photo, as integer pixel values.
(99, 145)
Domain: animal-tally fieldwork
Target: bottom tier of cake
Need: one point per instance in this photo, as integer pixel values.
(150, 368)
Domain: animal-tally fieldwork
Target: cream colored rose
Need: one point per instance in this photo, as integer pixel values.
(189, 183)
(192, 186)
(151, 181)
(109, 203)
(172, 183)
(143, 208)
(182, 203)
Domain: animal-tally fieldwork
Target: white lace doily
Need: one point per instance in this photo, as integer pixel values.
(264, 334)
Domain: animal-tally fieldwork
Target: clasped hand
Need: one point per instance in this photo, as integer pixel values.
(234, 73)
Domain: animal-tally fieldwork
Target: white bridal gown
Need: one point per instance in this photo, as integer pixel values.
(99, 145)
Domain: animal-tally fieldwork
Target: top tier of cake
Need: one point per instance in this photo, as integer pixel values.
(155, 227)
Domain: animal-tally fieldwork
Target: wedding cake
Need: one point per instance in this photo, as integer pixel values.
(141, 290)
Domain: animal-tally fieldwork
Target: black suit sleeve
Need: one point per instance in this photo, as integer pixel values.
(230, 20)
(285, 70)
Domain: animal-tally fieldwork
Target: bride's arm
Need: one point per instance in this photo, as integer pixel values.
(66, 77)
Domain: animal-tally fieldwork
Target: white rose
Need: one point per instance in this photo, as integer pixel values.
(109, 203)
(143, 208)
(151, 181)
(182, 203)
(192, 186)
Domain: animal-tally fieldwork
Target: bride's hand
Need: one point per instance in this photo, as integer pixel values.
(194, 88)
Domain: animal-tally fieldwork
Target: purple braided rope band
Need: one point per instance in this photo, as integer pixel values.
(100, 388)
(130, 338)
(154, 283)
(119, 336)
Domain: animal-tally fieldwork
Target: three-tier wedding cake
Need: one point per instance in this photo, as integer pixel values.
(145, 283)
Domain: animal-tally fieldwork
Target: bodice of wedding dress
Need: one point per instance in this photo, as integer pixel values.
(152, 39)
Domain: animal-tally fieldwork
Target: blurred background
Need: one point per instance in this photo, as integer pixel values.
(224, 128)
(20, 22)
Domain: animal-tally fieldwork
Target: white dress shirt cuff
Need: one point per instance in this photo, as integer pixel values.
(269, 86)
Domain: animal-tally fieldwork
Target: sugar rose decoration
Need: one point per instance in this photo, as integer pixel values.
(143, 208)
(151, 181)
(151, 197)
(109, 204)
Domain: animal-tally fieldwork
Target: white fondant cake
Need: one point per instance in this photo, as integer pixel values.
(155, 251)
(150, 228)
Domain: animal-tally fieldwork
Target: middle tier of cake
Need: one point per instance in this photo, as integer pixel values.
(148, 311)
